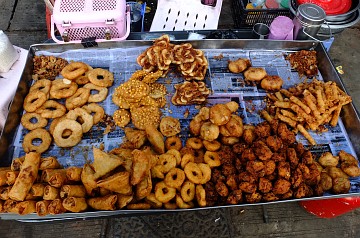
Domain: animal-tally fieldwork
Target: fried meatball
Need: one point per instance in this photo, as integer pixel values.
(263, 129)
(253, 198)
(262, 151)
(247, 177)
(222, 189)
(255, 74)
(292, 157)
(284, 170)
(285, 134)
(265, 185)
(195, 127)
(247, 187)
(348, 158)
(325, 181)
(274, 143)
(231, 182)
(220, 114)
(350, 169)
(234, 127)
(270, 167)
(281, 186)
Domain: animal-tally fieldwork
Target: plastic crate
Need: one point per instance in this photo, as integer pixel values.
(247, 18)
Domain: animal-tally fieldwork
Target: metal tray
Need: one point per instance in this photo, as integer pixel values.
(349, 115)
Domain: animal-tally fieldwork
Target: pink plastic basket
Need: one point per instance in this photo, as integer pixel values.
(104, 20)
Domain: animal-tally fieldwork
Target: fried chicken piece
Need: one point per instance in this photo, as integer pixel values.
(292, 157)
(314, 177)
(263, 129)
(269, 197)
(303, 191)
(287, 195)
(305, 171)
(228, 169)
(277, 157)
(265, 185)
(235, 197)
(247, 187)
(211, 194)
(281, 186)
(296, 178)
(274, 143)
(247, 177)
(227, 156)
(222, 189)
(272, 176)
(216, 176)
(249, 135)
(248, 154)
(262, 151)
(253, 198)
(270, 167)
(300, 149)
(274, 124)
(306, 157)
(239, 148)
(285, 134)
(231, 182)
(254, 167)
(284, 170)
(238, 165)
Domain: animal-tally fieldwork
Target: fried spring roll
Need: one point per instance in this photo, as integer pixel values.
(30, 197)
(73, 174)
(10, 206)
(56, 207)
(51, 193)
(55, 177)
(37, 189)
(119, 183)
(4, 193)
(16, 163)
(103, 203)
(42, 208)
(25, 207)
(88, 179)
(3, 177)
(74, 204)
(49, 163)
(11, 177)
(26, 178)
(72, 191)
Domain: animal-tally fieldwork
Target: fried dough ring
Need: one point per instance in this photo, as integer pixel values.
(174, 178)
(176, 154)
(46, 110)
(28, 124)
(167, 162)
(255, 74)
(121, 117)
(42, 85)
(206, 172)
(69, 141)
(212, 159)
(164, 193)
(173, 142)
(84, 78)
(169, 126)
(34, 100)
(74, 70)
(181, 204)
(98, 111)
(79, 99)
(186, 159)
(80, 114)
(200, 195)
(53, 124)
(193, 172)
(195, 143)
(271, 83)
(212, 145)
(101, 77)
(101, 94)
(41, 134)
(187, 191)
(59, 89)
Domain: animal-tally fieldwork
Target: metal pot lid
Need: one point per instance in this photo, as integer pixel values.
(311, 14)
(331, 7)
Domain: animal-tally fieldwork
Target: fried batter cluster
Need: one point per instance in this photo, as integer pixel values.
(266, 164)
(192, 63)
(335, 172)
(189, 93)
(47, 67)
(239, 65)
(304, 61)
(139, 98)
(308, 106)
(218, 121)
(70, 107)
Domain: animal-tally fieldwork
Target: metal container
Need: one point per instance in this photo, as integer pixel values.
(307, 22)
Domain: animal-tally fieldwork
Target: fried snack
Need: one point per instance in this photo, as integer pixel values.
(73, 174)
(75, 204)
(271, 83)
(200, 195)
(107, 203)
(25, 207)
(255, 74)
(145, 116)
(341, 185)
(56, 207)
(49, 163)
(101, 77)
(83, 117)
(78, 99)
(119, 183)
(68, 141)
(175, 178)
(304, 61)
(140, 166)
(194, 143)
(84, 78)
(193, 173)
(164, 193)
(233, 128)
(42, 85)
(327, 159)
(211, 145)
(239, 65)
(32, 121)
(151, 199)
(96, 111)
(220, 114)
(54, 177)
(212, 159)
(155, 138)
(72, 191)
(51, 109)
(209, 131)
(169, 126)
(34, 100)
(26, 178)
(42, 208)
(47, 67)
(143, 189)
(121, 117)
(88, 179)
(189, 93)
(136, 137)
(138, 206)
(17, 163)
(104, 162)
(4, 192)
(123, 200)
(173, 142)
(3, 176)
(101, 94)
(59, 89)
(51, 193)
(10, 177)
(74, 70)
(181, 204)
(37, 190)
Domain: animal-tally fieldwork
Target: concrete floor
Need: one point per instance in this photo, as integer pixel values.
(24, 23)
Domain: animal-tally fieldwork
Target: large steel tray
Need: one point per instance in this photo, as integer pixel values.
(349, 115)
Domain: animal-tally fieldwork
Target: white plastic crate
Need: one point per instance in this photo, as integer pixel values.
(105, 20)
(182, 15)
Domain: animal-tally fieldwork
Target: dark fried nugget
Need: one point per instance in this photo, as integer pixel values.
(239, 148)
(247, 187)
(253, 198)
(277, 157)
(300, 149)
(247, 177)
(227, 156)
(262, 151)
(222, 189)
(216, 175)
(296, 178)
(248, 154)
(211, 194)
(314, 177)
(249, 136)
(231, 181)
(274, 143)
(306, 157)
(255, 167)
(285, 134)
(265, 185)
(292, 157)
(281, 186)
(269, 197)
(304, 170)
(287, 195)
(238, 165)
(270, 167)
(235, 197)
(228, 169)
(303, 191)
(284, 170)
(263, 129)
